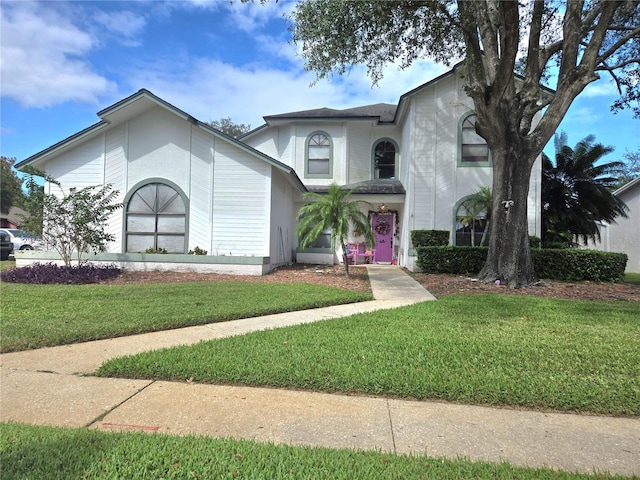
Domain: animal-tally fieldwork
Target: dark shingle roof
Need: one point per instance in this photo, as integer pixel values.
(383, 111)
(378, 186)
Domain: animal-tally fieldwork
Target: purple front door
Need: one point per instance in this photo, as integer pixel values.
(383, 232)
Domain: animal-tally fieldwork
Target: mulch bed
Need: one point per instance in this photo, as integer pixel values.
(439, 285)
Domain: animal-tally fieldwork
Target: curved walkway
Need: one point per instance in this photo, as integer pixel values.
(50, 387)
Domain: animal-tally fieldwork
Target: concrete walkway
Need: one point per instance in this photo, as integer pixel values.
(51, 387)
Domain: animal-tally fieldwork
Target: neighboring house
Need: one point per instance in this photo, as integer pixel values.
(415, 163)
(623, 235)
(13, 218)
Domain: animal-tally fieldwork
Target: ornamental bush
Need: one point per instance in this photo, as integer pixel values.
(429, 238)
(452, 259)
(49, 273)
(561, 264)
(576, 264)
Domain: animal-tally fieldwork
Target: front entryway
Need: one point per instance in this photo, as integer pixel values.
(382, 224)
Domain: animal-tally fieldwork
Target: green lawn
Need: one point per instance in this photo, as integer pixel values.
(632, 278)
(484, 349)
(28, 452)
(35, 316)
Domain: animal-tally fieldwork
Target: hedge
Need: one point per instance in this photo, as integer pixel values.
(429, 238)
(566, 264)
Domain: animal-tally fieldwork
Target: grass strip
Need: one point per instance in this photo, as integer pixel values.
(35, 316)
(50, 453)
(528, 352)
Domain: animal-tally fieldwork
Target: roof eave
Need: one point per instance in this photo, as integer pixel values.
(65, 143)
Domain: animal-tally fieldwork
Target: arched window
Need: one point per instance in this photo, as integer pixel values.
(473, 148)
(471, 223)
(319, 155)
(156, 219)
(384, 159)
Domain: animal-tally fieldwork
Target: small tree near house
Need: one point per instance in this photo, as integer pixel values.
(76, 222)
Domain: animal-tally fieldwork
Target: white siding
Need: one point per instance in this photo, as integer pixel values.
(81, 167)
(283, 239)
(359, 156)
(200, 202)
(159, 147)
(115, 171)
(240, 192)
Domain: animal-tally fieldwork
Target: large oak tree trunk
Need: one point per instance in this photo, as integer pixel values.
(509, 257)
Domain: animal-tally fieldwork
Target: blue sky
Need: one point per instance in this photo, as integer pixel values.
(63, 61)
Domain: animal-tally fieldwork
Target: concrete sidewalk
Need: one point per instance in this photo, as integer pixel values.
(49, 387)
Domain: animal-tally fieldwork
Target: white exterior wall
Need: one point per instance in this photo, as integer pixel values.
(623, 236)
(80, 167)
(283, 239)
(200, 190)
(625, 233)
(115, 173)
(241, 202)
(158, 146)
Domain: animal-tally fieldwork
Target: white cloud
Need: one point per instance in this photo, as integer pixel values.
(41, 57)
(123, 26)
(211, 89)
(600, 88)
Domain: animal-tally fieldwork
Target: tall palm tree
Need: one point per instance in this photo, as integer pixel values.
(577, 193)
(332, 211)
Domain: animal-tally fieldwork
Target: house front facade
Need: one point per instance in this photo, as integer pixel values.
(186, 185)
(415, 163)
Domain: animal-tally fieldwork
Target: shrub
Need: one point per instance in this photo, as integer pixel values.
(535, 242)
(156, 250)
(429, 238)
(565, 264)
(575, 264)
(49, 273)
(197, 251)
(452, 259)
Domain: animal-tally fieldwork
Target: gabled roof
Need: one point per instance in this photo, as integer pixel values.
(136, 104)
(628, 186)
(383, 112)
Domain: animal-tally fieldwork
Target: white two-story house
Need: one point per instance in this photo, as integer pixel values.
(184, 184)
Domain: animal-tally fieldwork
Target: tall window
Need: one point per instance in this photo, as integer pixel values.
(318, 155)
(471, 224)
(156, 219)
(384, 160)
(474, 148)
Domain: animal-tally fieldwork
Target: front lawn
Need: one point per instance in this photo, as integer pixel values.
(59, 453)
(517, 351)
(35, 316)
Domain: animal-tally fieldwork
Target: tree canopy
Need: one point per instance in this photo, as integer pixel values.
(10, 185)
(568, 43)
(228, 126)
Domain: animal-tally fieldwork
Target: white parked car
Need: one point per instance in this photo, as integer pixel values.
(20, 240)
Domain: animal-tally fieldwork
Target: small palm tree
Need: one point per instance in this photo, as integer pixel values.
(577, 193)
(333, 211)
(477, 208)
